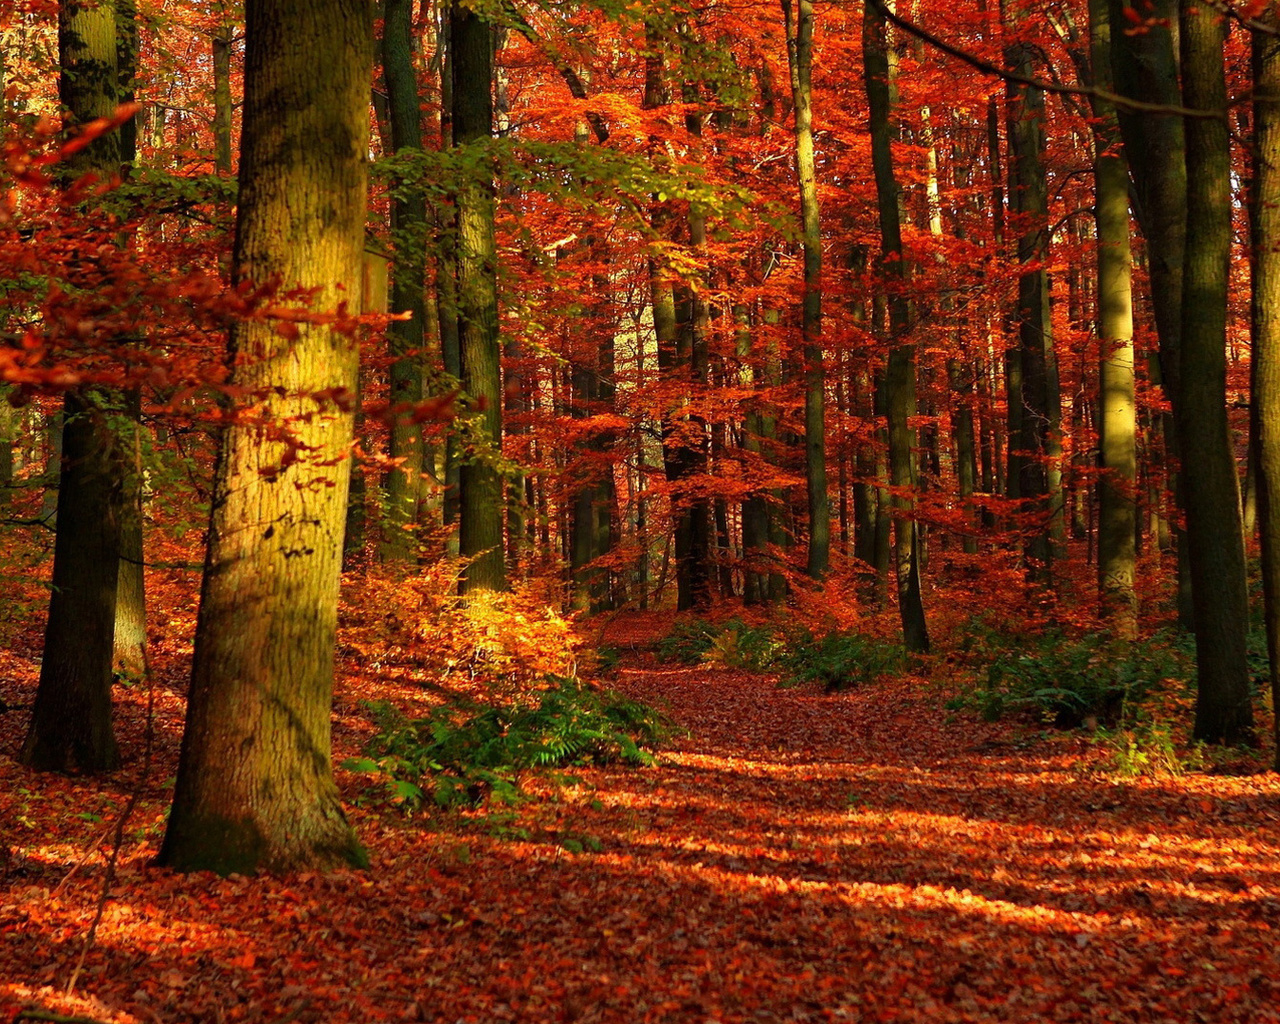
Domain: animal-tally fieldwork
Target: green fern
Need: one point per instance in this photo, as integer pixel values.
(461, 755)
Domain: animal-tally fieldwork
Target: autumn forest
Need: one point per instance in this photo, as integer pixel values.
(518, 510)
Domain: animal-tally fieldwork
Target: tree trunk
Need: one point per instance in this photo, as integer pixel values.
(480, 481)
(900, 373)
(799, 26)
(405, 338)
(71, 720)
(1266, 332)
(1215, 543)
(222, 98)
(1117, 513)
(1145, 67)
(255, 788)
(1029, 189)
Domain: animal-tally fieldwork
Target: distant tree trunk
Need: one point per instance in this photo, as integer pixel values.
(130, 633)
(71, 720)
(1029, 189)
(222, 98)
(1117, 514)
(255, 788)
(1266, 332)
(900, 374)
(447, 300)
(1145, 67)
(1215, 542)
(799, 25)
(405, 338)
(481, 488)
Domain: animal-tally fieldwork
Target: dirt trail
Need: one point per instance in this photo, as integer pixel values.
(799, 857)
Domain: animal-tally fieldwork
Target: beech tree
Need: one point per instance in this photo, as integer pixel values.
(255, 789)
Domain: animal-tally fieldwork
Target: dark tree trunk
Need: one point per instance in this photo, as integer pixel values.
(1212, 491)
(405, 338)
(480, 482)
(900, 374)
(71, 721)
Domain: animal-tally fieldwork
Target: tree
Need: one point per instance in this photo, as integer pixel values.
(71, 720)
(900, 375)
(406, 337)
(481, 491)
(255, 789)
(1266, 336)
(1035, 396)
(1117, 513)
(799, 23)
(1215, 541)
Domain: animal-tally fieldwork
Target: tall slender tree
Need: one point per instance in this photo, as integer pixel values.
(406, 337)
(799, 19)
(71, 720)
(900, 374)
(1117, 513)
(481, 490)
(255, 788)
(1266, 328)
(1215, 540)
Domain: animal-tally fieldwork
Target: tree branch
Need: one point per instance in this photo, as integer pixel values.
(987, 67)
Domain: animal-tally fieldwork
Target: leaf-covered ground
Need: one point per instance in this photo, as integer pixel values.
(799, 857)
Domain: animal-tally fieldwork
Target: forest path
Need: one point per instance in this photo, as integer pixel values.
(798, 856)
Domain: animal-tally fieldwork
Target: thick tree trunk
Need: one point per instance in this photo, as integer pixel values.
(1266, 332)
(900, 373)
(255, 788)
(71, 721)
(1117, 514)
(1215, 542)
(799, 25)
(405, 338)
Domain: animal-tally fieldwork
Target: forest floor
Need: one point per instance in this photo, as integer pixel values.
(799, 856)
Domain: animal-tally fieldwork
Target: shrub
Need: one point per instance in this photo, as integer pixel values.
(688, 642)
(1073, 681)
(461, 754)
(838, 660)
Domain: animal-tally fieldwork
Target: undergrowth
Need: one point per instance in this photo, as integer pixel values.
(463, 754)
(837, 659)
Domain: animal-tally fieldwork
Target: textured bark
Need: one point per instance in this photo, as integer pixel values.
(71, 720)
(1266, 333)
(1117, 511)
(480, 481)
(255, 788)
(405, 338)
(1212, 491)
(799, 23)
(900, 373)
